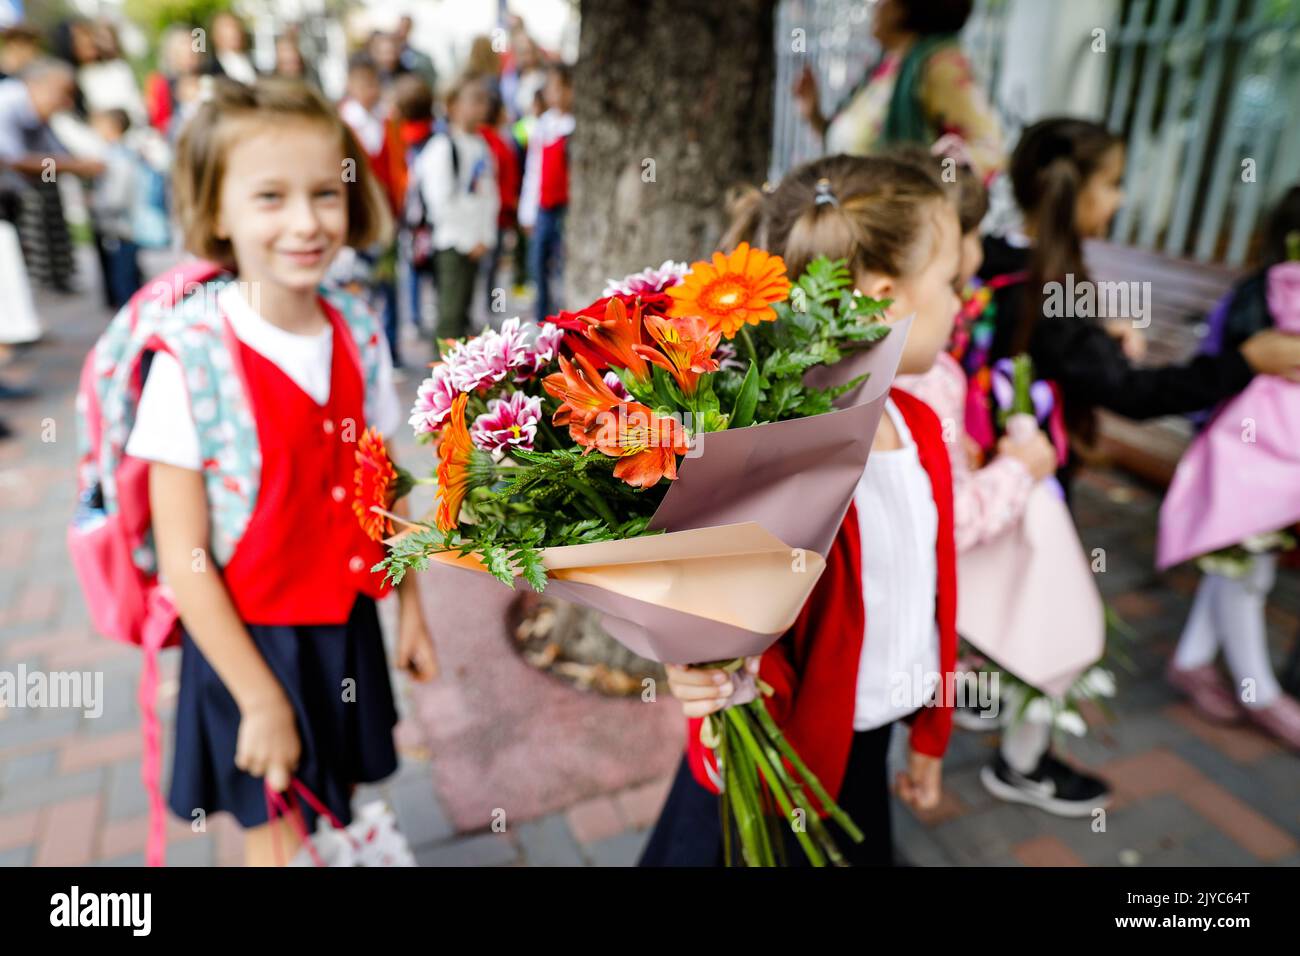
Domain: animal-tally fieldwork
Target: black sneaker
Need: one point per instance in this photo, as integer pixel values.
(1054, 786)
(975, 720)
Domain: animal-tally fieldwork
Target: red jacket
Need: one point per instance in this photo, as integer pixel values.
(813, 669)
(508, 175)
(555, 173)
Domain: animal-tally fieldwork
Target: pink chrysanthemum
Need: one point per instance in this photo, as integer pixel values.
(648, 280)
(433, 401)
(486, 359)
(508, 423)
(542, 352)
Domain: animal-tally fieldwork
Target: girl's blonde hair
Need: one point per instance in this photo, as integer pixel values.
(869, 210)
(223, 116)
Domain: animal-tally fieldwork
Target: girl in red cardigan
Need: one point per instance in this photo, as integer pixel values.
(876, 643)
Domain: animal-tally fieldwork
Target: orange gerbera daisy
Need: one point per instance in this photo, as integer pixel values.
(732, 291)
(686, 347)
(461, 466)
(376, 480)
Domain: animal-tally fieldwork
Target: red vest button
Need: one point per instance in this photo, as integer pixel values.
(356, 565)
(339, 493)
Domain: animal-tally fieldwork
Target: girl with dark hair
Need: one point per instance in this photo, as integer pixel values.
(1065, 174)
(921, 88)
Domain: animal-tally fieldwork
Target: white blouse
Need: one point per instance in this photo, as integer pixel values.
(899, 667)
(164, 429)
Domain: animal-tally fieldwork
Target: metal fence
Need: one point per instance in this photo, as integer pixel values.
(1205, 95)
(833, 37)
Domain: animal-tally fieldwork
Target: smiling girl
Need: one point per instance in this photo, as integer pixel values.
(283, 671)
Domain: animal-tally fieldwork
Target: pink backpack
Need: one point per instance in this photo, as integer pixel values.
(110, 528)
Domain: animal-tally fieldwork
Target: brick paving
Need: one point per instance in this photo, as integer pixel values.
(1187, 792)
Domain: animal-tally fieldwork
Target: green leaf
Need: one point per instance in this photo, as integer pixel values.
(529, 563)
(497, 561)
(743, 414)
(666, 392)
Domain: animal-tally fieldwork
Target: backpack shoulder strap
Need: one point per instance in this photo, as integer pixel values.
(455, 156)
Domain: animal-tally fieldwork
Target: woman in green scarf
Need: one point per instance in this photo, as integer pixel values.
(921, 89)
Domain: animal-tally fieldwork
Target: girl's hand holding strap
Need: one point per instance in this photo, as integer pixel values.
(268, 743)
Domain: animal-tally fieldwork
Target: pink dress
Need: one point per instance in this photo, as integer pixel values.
(1241, 476)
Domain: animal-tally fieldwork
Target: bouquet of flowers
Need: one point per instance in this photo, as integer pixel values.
(573, 457)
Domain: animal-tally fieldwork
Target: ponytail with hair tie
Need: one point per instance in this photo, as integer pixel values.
(1048, 168)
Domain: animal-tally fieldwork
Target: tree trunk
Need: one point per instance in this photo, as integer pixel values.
(673, 105)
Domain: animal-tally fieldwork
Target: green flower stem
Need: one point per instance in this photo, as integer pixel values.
(597, 503)
(798, 798)
(776, 777)
(743, 796)
(549, 432)
(808, 777)
(724, 764)
(749, 345)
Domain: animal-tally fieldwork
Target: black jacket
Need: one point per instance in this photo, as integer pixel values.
(1090, 366)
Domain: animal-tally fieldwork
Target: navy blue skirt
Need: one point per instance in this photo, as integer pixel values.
(346, 729)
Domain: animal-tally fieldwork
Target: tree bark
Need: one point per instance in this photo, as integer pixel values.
(673, 104)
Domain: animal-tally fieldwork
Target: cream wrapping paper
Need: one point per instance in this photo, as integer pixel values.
(747, 525)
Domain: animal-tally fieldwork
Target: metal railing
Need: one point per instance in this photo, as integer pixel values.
(1205, 95)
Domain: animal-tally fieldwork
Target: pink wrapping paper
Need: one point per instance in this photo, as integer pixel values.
(795, 478)
(1229, 487)
(1028, 599)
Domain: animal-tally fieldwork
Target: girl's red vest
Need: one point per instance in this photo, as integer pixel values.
(303, 558)
(814, 667)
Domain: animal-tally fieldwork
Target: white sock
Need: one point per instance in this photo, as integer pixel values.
(1239, 614)
(1024, 743)
(1199, 644)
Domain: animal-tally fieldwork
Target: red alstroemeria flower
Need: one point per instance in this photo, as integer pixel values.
(594, 349)
(686, 347)
(646, 445)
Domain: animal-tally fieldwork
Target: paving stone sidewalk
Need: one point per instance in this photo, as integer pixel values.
(70, 791)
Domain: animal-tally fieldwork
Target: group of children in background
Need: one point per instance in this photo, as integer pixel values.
(467, 184)
(258, 190)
